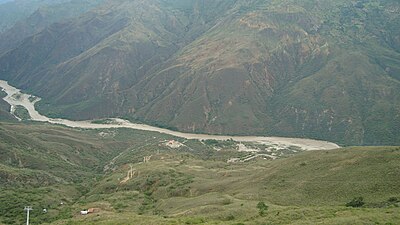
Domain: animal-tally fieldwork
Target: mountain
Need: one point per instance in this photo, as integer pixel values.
(43, 165)
(13, 11)
(4, 1)
(41, 18)
(317, 69)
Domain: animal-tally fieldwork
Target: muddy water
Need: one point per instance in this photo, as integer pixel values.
(15, 97)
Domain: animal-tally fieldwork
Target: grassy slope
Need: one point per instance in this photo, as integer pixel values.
(55, 164)
(290, 182)
(43, 164)
(311, 187)
(192, 184)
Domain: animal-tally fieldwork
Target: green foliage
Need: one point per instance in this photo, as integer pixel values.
(211, 142)
(230, 218)
(22, 113)
(14, 201)
(221, 144)
(195, 221)
(356, 202)
(393, 200)
(262, 208)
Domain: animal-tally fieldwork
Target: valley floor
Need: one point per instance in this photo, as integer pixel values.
(16, 98)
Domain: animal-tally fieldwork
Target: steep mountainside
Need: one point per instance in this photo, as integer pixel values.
(5, 114)
(319, 69)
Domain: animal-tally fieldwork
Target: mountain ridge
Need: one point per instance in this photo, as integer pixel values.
(223, 67)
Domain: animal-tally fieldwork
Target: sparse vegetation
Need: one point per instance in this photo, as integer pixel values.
(164, 190)
(103, 121)
(32, 98)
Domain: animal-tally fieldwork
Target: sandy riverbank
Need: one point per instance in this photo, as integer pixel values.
(15, 97)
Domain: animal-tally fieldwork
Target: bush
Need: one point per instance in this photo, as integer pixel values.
(262, 207)
(356, 202)
(230, 217)
(226, 201)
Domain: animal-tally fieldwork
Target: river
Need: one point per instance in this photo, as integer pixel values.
(15, 97)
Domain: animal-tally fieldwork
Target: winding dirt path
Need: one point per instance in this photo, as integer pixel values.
(15, 97)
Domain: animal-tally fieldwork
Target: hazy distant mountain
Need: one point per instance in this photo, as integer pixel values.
(41, 18)
(4, 1)
(13, 11)
(320, 69)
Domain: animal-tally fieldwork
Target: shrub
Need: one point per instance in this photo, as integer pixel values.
(230, 217)
(262, 207)
(226, 201)
(356, 202)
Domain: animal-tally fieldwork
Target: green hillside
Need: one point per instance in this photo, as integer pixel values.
(318, 69)
(44, 165)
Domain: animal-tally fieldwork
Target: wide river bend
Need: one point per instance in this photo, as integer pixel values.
(16, 97)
